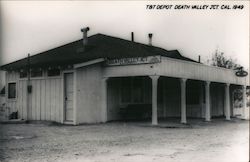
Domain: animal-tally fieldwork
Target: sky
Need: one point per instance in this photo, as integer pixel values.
(37, 26)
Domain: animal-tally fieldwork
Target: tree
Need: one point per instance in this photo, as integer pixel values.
(220, 60)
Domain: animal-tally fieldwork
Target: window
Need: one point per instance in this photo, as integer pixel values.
(23, 74)
(53, 72)
(12, 90)
(36, 73)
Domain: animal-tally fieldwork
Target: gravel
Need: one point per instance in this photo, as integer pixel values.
(218, 140)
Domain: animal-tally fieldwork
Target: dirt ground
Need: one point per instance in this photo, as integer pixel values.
(219, 140)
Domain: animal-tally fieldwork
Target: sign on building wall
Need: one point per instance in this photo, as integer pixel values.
(134, 60)
(240, 72)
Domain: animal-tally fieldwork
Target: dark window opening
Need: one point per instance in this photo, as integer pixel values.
(53, 72)
(132, 90)
(12, 90)
(23, 74)
(36, 73)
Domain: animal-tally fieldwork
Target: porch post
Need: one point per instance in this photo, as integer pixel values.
(227, 101)
(183, 101)
(244, 97)
(104, 100)
(207, 115)
(154, 99)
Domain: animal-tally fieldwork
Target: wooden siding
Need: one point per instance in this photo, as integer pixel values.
(113, 97)
(2, 79)
(171, 98)
(46, 102)
(89, 94)
(217, 99)
(45, 99)
(12, 77)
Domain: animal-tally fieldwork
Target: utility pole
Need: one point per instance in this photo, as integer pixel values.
(28, 86)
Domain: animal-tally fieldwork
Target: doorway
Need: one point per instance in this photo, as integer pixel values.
(68, 96)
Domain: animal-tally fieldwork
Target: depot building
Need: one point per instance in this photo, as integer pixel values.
(102, 78)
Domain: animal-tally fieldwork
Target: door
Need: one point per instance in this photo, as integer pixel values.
(68, 96)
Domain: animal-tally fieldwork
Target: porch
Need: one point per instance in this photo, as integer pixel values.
(159, 97)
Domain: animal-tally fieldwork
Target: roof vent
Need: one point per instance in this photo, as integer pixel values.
(150, 35)
(132, 36)
(85, 36)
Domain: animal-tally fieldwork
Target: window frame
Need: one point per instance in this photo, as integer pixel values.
(8, 92)
(54, 76)
(36, 76)
(25, 72)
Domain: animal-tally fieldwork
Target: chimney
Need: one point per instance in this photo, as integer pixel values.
(85, 36)
(199, 59)
(132, 36)
(150, 35)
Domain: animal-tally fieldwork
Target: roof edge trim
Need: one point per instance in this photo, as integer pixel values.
(88, 63)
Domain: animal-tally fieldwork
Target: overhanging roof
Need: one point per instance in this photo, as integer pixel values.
(99, 46)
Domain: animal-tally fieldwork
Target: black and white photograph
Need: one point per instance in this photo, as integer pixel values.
(122, 81)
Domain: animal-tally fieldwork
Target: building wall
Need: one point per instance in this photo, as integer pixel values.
(2, 79)
(169, 97)
(217, 99)
(2, 84)
(113, 99)
(3, 111)
(115, 102)
(45, 101)
(11, 103)
(89, 94)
